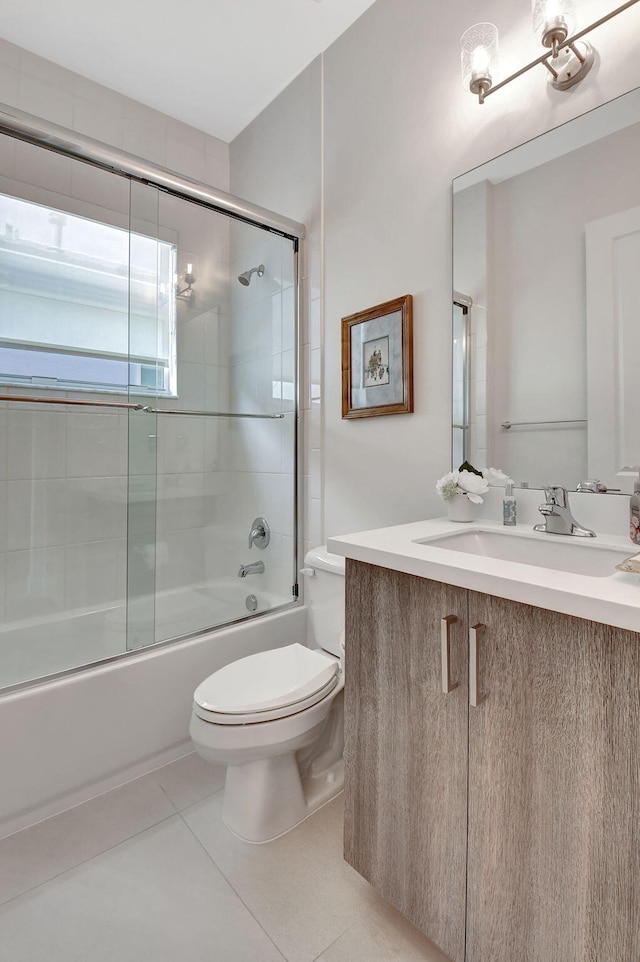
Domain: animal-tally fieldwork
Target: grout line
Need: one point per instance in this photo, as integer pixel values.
(232, 886)
(126, 838)
(332, 943)
(85, 861)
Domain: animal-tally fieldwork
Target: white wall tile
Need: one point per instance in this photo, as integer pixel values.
(36, 444)
(34, 583)
(95, 574)
(52, 172)
(216, 331)
(7, 155)
(217, 381)
(97, 509)
(314, 521)
(100, 189)
(143, 140)
(102, 121)
(93, 445)
(186, 158)
(315, 322)
(315, 273)
(180, 501)
(315, 374)
(191, 334)
(288, 319)
(180, 445)
(312, 428)
(37, 514)
(191, 386)
(9, 78)
(182, 563)
(45, 98)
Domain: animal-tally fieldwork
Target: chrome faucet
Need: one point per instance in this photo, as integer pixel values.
(260, 533)
(257, 568)
(557, 515)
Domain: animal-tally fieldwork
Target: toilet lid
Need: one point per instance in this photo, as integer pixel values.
(267, 680)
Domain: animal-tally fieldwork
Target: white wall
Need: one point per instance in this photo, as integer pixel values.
(397, 128)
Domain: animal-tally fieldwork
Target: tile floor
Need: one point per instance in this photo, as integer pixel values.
(148, 871)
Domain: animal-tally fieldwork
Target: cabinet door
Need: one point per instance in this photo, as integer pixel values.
(554, 789)
(406, 747)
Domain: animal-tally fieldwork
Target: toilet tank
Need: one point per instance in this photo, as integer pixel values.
(324, 597)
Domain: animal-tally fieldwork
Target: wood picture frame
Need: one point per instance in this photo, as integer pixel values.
(377, 360)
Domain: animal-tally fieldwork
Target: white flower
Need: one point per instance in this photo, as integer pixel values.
(472, 485)
(469, 483)
(496, 476)
(447, 487)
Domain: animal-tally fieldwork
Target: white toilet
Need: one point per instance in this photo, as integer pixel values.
(275, 719)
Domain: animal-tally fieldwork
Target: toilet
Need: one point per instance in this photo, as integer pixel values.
(275, 719)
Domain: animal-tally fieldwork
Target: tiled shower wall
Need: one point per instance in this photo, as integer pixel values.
(258, 474)
(277, 162)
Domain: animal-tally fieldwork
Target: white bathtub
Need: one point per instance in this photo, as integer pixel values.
(69, 739)
(37, 647)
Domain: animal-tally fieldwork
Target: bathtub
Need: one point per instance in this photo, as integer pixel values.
(69, 739)
(37, 647)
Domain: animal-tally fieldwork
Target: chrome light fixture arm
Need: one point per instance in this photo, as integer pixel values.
(568, 60)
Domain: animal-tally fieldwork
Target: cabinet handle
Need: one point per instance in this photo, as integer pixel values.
(445, 624)
(475, 633)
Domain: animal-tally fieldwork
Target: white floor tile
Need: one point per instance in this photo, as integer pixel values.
(382, 934)
(189, 779)
(58, 844)
(298, 887)
(157, 896)
(123, 878)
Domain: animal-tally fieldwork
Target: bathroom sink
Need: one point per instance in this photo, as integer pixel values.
(544, 551)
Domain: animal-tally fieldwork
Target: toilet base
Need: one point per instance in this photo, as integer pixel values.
(265, 799)
(278, 772)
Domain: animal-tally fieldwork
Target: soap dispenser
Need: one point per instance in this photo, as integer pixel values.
(509, 505)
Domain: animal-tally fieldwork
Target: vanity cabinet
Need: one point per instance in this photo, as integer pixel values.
(406, 747)
(510, 826)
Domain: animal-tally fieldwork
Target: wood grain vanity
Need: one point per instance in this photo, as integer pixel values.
(492, 754)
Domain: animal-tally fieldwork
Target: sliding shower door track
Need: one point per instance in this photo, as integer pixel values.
(132, 406)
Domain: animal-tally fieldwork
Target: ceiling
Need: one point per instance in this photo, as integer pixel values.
(214, 64)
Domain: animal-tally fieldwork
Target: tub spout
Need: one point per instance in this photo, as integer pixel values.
(257, 568)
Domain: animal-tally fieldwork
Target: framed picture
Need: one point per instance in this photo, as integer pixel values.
(377, 360)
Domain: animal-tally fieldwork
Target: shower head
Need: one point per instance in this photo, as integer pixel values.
(245, 277)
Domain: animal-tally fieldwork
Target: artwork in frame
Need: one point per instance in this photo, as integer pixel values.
(377, 360)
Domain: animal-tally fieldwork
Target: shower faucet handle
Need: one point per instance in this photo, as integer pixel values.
(260, 533)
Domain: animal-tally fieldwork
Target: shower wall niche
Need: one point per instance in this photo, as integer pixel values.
(165, 419)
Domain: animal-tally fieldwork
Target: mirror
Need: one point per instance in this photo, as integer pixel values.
(546, 305)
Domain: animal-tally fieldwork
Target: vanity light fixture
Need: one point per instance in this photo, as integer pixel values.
(568, 57)
(189, 278)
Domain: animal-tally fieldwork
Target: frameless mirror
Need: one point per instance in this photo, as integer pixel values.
(546, 264)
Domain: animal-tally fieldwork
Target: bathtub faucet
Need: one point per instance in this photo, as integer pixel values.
(260, 533)
(257, 568)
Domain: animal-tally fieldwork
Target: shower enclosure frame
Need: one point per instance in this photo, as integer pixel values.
(60, 140)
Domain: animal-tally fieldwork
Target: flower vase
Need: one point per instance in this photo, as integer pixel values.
(459, 508)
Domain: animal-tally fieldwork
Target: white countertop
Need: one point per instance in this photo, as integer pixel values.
(612, 600)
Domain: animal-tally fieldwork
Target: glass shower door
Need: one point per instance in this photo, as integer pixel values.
(148, 416)
(63, 415)
(215, 450)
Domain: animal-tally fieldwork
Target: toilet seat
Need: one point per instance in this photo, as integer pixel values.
(265, 686)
